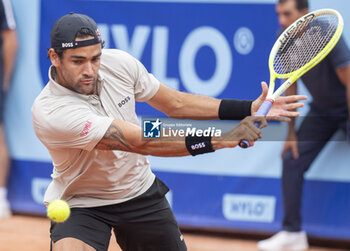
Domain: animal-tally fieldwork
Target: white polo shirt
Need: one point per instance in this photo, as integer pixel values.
(70, 125)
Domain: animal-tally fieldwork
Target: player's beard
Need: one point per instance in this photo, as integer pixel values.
(77, 85)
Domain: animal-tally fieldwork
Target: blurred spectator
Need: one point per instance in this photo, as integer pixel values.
(8, 43)
(329, 85)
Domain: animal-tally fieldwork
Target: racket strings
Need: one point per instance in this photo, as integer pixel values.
(304, 43)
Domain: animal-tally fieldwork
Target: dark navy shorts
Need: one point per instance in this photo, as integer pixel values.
(145, 223)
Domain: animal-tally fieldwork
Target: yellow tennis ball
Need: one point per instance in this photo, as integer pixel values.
(58, 211)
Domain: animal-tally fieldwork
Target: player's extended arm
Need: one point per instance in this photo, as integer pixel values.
(182, 105)
(124, 136)
(9, 50)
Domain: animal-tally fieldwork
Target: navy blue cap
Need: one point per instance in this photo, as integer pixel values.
(65, 29)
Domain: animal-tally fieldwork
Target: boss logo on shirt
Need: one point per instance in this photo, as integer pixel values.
(124, 101)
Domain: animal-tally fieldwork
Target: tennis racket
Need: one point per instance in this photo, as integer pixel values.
(298, 49)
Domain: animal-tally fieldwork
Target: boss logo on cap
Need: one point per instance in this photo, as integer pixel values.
(67, 45)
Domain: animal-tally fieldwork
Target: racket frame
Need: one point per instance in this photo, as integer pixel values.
(293, 76)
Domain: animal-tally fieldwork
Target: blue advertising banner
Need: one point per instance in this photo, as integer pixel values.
(237, 203)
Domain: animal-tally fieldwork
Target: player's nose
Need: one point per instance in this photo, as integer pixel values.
(88, 69)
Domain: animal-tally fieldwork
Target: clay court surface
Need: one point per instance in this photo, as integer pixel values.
(30, 233)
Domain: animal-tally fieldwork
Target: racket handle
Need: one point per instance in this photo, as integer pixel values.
(263, 110)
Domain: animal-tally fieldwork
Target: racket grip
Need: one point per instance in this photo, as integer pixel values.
(263, 110)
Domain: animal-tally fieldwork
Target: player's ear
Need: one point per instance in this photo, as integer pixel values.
(53, 57)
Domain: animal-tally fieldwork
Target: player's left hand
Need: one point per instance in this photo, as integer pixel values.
(283, 106)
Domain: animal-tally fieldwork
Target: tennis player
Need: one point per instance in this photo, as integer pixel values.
(85, 116)
(329, 85)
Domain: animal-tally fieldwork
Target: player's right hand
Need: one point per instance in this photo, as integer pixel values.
(244, 130)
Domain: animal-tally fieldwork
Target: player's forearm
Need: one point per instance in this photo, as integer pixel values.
(171, 146)
(124, 136)
(163, 148)
(206, 108)
(182, 105)
(198, 144)
(181, 146)
(127, 137)
(191, 106)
